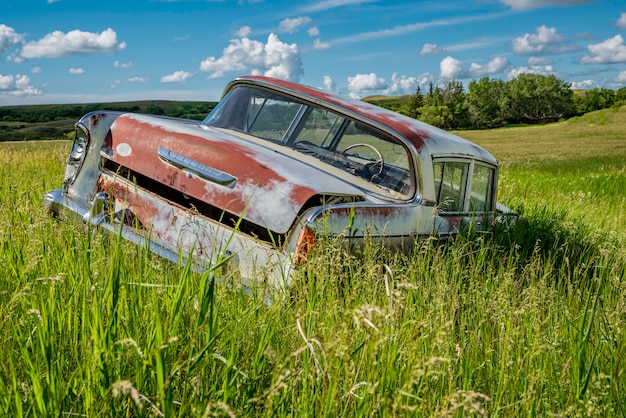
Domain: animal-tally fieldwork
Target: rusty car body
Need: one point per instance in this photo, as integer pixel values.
(274, 165)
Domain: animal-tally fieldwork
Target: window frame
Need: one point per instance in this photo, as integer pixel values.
(468, 186)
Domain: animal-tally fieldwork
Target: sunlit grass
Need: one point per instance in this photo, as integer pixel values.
(528, 321)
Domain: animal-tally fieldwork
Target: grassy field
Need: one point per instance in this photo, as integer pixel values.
(528, 321)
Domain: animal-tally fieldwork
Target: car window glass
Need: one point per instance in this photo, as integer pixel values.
(386, 160)
(482, 188)
(319, 128)
(270, 118)
(450, 183)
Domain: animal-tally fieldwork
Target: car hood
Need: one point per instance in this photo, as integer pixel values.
(229, 172)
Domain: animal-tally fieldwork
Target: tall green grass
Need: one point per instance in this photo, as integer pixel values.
(522, 321)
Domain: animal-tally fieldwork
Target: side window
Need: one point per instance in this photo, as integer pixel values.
(463, 186)
(270, 118)
(386, 160)
(320, 128)
(482, 189)
(450, 183)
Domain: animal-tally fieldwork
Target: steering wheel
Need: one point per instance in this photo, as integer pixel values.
(380, 160)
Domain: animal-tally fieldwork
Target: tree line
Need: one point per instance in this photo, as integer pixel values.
(50, 113)
(487, 103)
(35, 122)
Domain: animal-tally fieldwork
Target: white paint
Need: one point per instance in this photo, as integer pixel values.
(123, 149)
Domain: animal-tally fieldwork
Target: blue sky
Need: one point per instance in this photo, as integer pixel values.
(79, 51)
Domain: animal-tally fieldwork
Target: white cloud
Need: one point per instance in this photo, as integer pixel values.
(362, 83)
(329, 83)
(539, 69)
(243, 32)
(451, 68)
(76, 71)
(533, 4)
(319, 45)
(8, 38)
(58, 44)
(118, 64)
(431, 49)
(331, 4)
(584, 85)
(293, 25)
(545, 41)
(496, 65)
(18, 85)
(537, 61)
(621, 22)
(620, 78)
(273, 59)
(400, 85)
(314, 31)
(176, 77)
(610, 51)
(36, 70)
(137, 79)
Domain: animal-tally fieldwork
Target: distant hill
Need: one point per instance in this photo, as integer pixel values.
(34, 122)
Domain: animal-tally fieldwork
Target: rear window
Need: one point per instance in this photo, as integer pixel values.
(464, 186)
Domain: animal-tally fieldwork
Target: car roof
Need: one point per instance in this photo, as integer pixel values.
(426, 139)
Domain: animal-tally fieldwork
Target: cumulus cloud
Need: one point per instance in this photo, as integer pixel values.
(118, 64)
(368, 84)
(621, 22)
(533, 4)
(58, 44)
(451, 68)
(431, 49)
(8, 38)
(176, 77)
(545, 41)
(273, 59)
(137, 79)
(314, 31)
(496, 65)
(401, 84)
(620, 78)
(584, 85)
(293, 25)
(610, 51)
(76, 71)
(365, 83)
(36, 70)
(18, 85)
(319, 45)
(243, 32)
(537, 61)
(329, 83)
(538, 69)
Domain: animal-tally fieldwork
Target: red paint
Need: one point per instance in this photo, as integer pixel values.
(227, 156)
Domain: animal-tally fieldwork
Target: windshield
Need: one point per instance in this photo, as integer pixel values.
(354, 147)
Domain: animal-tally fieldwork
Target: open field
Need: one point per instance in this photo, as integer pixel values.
(528, 321)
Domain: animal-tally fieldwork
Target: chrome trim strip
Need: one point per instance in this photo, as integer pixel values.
(203, 171)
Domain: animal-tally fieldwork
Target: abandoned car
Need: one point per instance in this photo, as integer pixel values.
(272, 167)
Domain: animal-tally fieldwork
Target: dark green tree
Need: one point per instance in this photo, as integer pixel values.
(488, 103)
(415, 105)
(537, 96)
